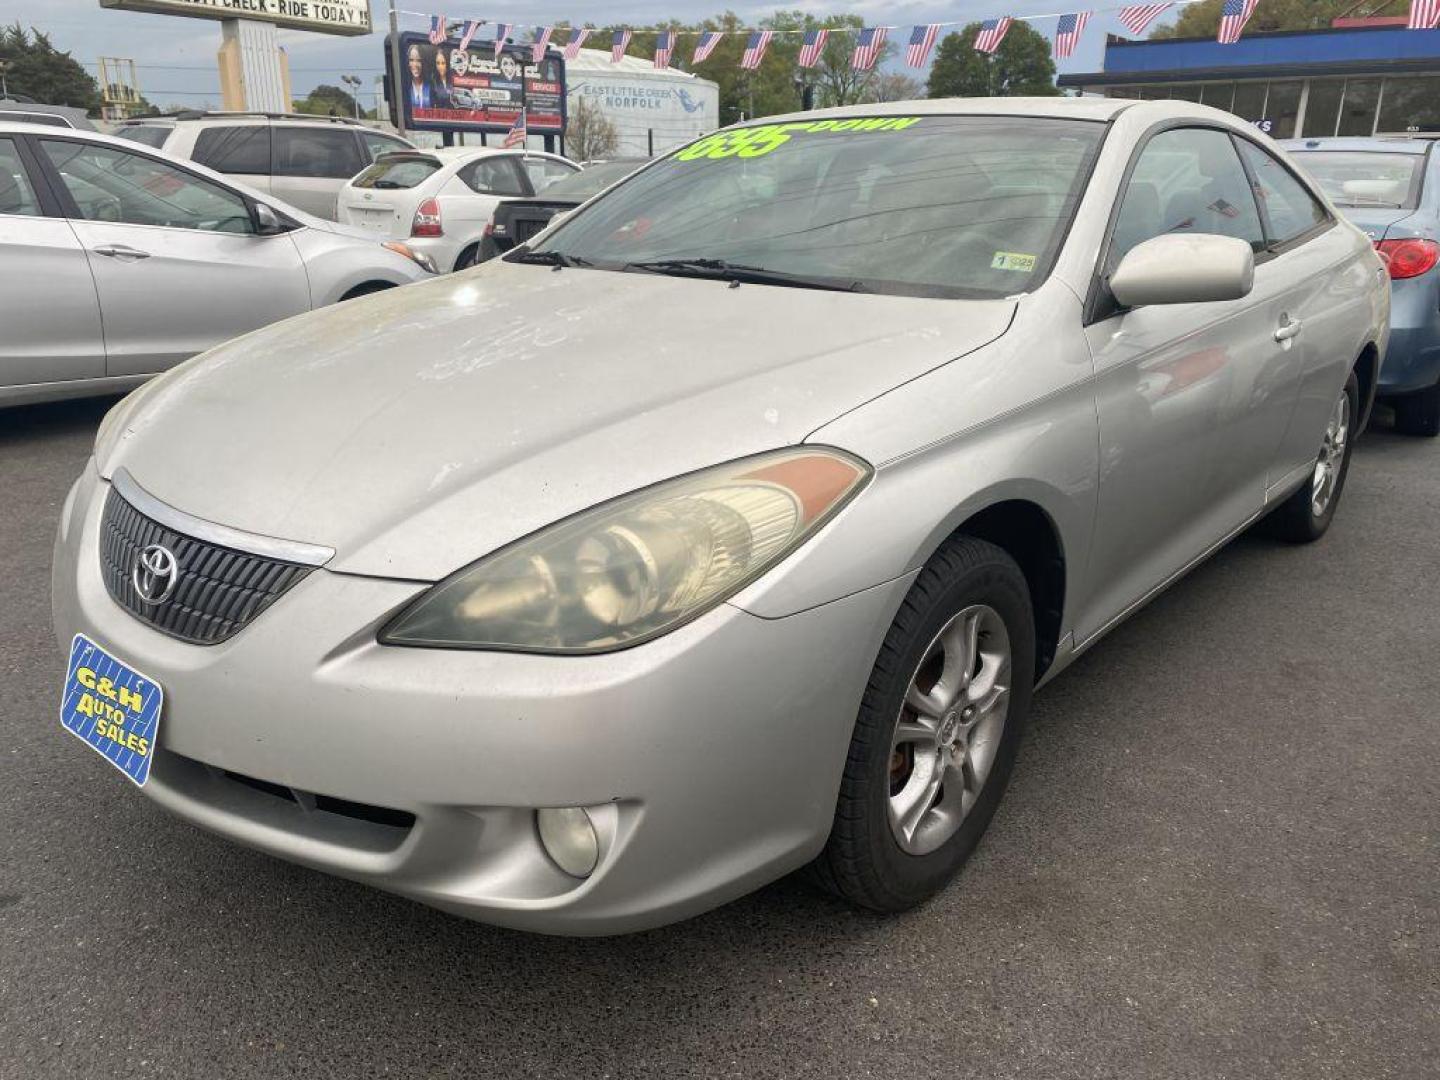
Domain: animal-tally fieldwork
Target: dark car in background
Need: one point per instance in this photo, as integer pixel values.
(518, 220)
(1388, 186)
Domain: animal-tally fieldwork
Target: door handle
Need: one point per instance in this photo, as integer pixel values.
(120, 251)
(1288, 328)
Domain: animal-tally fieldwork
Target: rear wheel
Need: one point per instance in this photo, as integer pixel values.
(938, 730)
(468, 258)
(1306, 514)
(1419, 413)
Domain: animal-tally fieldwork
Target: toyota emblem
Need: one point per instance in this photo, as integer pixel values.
(155, 574)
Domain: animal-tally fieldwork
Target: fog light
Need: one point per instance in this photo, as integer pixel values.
(569, 839)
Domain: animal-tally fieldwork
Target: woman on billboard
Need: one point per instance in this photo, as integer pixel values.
(440, 84)
(417, 87)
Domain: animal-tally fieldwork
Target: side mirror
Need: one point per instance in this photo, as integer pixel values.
(267, 222)
(1184, 269)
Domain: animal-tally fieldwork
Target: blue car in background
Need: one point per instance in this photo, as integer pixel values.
(1390, 187)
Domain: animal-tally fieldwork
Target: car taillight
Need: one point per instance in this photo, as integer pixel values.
(1408, 258)
(427, 220)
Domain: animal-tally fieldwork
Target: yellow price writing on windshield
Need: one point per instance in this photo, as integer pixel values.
(751, 142)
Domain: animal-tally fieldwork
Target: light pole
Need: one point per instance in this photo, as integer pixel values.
(397, 108)
(354, 82)
(4, 86)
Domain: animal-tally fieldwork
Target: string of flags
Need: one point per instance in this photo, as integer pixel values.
(870, 40)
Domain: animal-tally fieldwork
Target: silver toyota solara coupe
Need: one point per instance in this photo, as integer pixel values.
(725, 527)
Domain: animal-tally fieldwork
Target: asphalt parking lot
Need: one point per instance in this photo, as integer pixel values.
(1220, 858)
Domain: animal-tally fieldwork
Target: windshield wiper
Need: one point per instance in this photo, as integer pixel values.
(720, 270)
(546, 258)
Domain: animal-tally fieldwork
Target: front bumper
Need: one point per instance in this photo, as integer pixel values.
(710, 758)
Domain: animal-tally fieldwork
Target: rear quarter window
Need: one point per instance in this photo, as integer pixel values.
(328, 153)
(243, 149)
(152, 135)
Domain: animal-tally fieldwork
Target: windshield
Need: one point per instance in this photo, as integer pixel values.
(395, 172)
(590, 180)
(1359, 178)
(920, 206)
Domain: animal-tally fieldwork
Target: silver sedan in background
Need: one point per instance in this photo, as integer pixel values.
(117, 262)
(727, 526)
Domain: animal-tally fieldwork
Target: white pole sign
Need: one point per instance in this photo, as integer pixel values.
(321, 16)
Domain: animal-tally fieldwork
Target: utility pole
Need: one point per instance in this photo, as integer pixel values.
(397, 107)
(4, 86)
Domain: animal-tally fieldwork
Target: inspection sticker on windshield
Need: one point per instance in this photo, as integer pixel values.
(751, 142)
(1013, 260)
(112, 708)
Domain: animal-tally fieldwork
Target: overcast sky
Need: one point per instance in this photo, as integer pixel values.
(176, 56)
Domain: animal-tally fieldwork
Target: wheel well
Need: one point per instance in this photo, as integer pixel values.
(460, 258)
(1028, 536)
(366, 288)
(1365, 371)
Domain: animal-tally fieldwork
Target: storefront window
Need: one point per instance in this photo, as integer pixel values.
(1357, 114)
(1217, 95)
(1249, 103)
(1282, 108)
(1410, 104)
(1322, 110)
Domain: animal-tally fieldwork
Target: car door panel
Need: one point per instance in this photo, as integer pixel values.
(174, 258)
(1192, 399)
(48, 305)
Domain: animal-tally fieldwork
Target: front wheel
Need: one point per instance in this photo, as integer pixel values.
(1306, 514)
(938, 730)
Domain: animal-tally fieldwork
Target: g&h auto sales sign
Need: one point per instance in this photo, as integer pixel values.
(321, 16)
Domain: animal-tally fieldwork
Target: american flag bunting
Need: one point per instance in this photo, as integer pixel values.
(664, 46)
(1137, 17)
(541, 43)
(814, 45)
(619, 42)
(471, 26)
(705, 45)
(867, 47)
(922, 41)
(577, 40)
(1424, 14)
(1233, 17)
(437, 30)
(502, 33)
(992, 32)
(1067, 33)
(755, 49)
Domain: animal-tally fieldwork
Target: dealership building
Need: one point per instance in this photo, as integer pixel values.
(1359, 77)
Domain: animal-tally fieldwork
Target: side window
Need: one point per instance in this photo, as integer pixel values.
(1289, 209)
(329, 153)
(494, 176)
(1187, 180)
(152, 135)
(16, 195)
(543, 172)
(243, 149)
(108, 184)
(376, 144)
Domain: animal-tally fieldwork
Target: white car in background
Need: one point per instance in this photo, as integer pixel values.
(118, 262)
(440, 201)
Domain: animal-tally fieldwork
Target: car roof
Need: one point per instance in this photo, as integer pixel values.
(1077, 108)
(1397, 144)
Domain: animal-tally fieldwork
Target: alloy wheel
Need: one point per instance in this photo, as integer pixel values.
(1332, 456)
(949, 729)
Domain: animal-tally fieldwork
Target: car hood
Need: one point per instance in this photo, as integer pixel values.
(418, 429)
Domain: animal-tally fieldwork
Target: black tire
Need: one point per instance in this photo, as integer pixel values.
(863, 861)
(1418, 413)
(467, 258)
(1295, 519)
(370, 288)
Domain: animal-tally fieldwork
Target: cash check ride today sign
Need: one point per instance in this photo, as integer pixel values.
(322, 16)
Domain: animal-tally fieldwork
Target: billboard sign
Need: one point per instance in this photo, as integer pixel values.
(351, 17)
(445, 88)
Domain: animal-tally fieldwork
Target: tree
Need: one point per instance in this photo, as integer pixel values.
(895, 86)
(40, 71)
(326, 100)
(1021, 67)
(1203, 19)
(589, 133)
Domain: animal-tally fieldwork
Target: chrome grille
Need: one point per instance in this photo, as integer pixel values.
(218, 590)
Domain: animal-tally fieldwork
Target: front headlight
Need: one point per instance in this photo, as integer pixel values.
(639, 566)
(419, 258)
